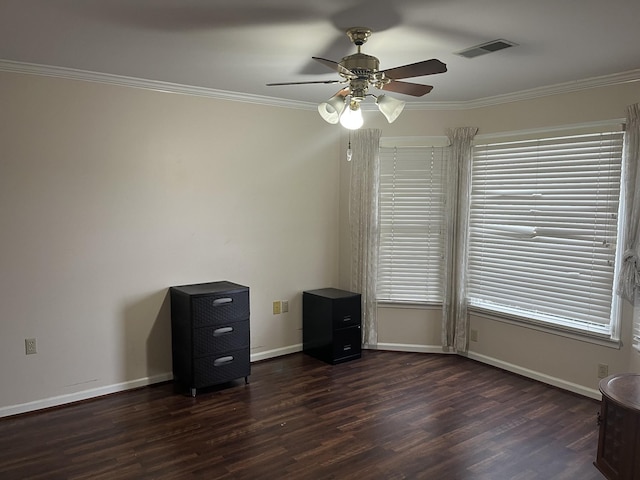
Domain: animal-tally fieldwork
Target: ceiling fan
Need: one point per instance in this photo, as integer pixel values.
(359, 72)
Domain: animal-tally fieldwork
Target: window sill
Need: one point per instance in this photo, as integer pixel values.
(597, 339)
(410, 305)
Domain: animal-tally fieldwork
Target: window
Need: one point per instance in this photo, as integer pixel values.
(543, 230)
(411, 224)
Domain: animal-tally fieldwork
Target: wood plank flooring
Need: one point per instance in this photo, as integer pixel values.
(389, 415)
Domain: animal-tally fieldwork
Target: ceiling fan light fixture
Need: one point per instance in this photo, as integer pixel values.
(361, 71)
(390, 107)
(332, 108)
(351, 118)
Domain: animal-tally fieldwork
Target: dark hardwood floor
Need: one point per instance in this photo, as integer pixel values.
(389, 415)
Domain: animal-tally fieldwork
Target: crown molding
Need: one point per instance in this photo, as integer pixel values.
(159, 86)
(567, 87)
(154, 85)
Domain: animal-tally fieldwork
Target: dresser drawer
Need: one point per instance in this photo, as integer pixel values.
(220, 309)
(221, 368)
(220, 338)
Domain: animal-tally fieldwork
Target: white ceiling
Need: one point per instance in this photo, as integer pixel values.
(239, 46)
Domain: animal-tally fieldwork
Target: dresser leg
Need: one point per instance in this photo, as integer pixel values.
(246, 380)
(193, 392)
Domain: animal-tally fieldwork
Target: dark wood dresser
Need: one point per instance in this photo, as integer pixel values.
(618, 456)
(210, 334)
(331, 325)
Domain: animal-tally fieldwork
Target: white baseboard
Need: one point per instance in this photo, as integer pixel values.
(406, 347)
(396, 347)
(83, 395)
(541, 377)
(120, 387)
(525, 372)
(276, 352)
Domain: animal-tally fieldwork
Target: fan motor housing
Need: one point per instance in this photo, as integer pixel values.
(361, 64)
(358, 88)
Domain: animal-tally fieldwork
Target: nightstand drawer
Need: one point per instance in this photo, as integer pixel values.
(347, 343)
(346, 312)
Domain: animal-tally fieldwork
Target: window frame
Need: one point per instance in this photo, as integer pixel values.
(399, 144)
(611, 336)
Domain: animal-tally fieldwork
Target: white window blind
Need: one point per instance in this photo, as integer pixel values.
(543, 229)
(411, 203)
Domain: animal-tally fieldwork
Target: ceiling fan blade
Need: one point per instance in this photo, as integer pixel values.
(337, 48)
(335, 66)
(407, 88)
(326, 82)
(427, 67)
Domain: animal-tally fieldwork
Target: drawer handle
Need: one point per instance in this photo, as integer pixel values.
(218, 362)
(218, 332)
(346, 348)
(347, 318)
(219, 302)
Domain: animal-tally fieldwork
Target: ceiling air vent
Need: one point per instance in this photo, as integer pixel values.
(485, 48)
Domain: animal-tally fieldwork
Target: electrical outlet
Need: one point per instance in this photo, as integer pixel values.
(603, 370)
(473, 335)
(285, 306)
(30, 346)
(277, 307)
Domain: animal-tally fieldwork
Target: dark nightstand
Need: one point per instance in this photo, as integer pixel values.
(331, 325)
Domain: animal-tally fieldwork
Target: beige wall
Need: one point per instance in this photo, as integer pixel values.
(109, 195)
(558, 360)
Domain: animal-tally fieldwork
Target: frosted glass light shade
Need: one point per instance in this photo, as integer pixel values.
(332, 108)
(352, 117)
(390, 107)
